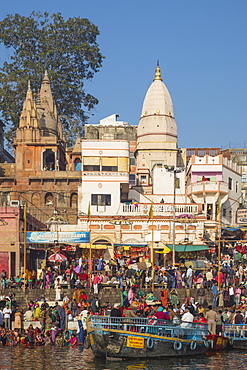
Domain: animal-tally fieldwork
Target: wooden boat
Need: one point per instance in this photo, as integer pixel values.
(237, 335)
(144, 338)
(217, 342)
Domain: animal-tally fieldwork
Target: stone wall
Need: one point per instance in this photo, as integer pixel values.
(107, 295)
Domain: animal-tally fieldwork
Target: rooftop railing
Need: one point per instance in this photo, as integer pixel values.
(160, 208)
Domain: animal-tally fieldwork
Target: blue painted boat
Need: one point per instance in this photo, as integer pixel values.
(145, 338)
(237, 335)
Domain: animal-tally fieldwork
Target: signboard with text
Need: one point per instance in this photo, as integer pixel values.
(51, 237)
(242, 216)
(135, 342)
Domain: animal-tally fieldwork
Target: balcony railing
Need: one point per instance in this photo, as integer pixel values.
(159, 209)
(208, 186)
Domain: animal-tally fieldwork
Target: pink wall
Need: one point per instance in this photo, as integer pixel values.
(195, 175)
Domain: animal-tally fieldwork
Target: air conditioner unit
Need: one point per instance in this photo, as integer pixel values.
(14, 203)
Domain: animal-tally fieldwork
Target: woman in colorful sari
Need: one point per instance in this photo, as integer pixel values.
(18, 321)
(130, 296)
(124, 298)
(66, 338)
(164, 297)
(36, 313)
(178, 277)
(47, 281)
(73, 341)
(48, 323)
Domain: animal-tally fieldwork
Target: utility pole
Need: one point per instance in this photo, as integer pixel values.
(174, 170)
(25, 245)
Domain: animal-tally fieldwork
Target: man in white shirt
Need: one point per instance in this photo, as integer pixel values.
(6, 315)
(187, 318)
(83, 317)
(209, 278)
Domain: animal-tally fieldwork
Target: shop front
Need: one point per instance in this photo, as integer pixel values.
(132, 252)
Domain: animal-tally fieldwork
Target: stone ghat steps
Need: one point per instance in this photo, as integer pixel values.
(107, 295)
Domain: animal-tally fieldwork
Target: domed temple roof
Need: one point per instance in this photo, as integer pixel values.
(157, 99)
(157, 125)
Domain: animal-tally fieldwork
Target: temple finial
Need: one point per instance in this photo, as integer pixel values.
(157, 75)
(46, 77)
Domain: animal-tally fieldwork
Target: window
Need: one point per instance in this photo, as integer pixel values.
(236, 186)
(132, 161)
(61, 198)
(77, 164)
(132, 179)
(90, 168)
(230, 183)
(36, 200)
(244, 177)
(101, 199)
(91, 164)
(48, 160)
(202, 152)
(73, 200)
(49, 199)
(224, 212)
(177, 183)
(143, 179)
(109, 164)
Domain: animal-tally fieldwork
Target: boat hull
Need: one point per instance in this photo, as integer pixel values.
(217, 342)
(239, 344)
(119, 344)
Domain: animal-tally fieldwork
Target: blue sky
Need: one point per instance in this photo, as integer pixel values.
(202, 49)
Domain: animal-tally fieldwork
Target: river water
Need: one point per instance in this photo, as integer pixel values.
(55, 358)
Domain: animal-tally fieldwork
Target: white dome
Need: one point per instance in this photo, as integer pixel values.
(157, 99)
(157, 125)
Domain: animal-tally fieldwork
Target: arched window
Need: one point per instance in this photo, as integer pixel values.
(48, 160)
(73, 200)
(77, 164)
(28, 159)
(36, 199)
(49, 199)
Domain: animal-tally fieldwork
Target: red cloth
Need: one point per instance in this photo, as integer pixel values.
(161, 315)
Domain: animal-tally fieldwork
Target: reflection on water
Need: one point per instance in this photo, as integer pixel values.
(51, 358)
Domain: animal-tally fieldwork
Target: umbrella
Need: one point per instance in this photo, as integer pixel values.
(57, 257)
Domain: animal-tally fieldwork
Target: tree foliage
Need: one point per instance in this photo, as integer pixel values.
(67, 49)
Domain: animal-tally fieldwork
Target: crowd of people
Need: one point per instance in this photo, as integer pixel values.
(119, 272)
(49, 324)
(229, 299)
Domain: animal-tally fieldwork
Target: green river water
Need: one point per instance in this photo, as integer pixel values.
(49, 358)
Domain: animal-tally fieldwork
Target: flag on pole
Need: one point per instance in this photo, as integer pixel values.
(218, 209)
(151, 212)
(89, 211)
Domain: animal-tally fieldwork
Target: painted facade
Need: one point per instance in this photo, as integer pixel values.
(120, 170)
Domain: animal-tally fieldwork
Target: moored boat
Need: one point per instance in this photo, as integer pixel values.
(143, 338)
(217, 342)
(237, 335)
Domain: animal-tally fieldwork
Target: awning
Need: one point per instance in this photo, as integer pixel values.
(189, 248)
(241, 228)
(93, 246)
(129, 245)
(231, 228)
